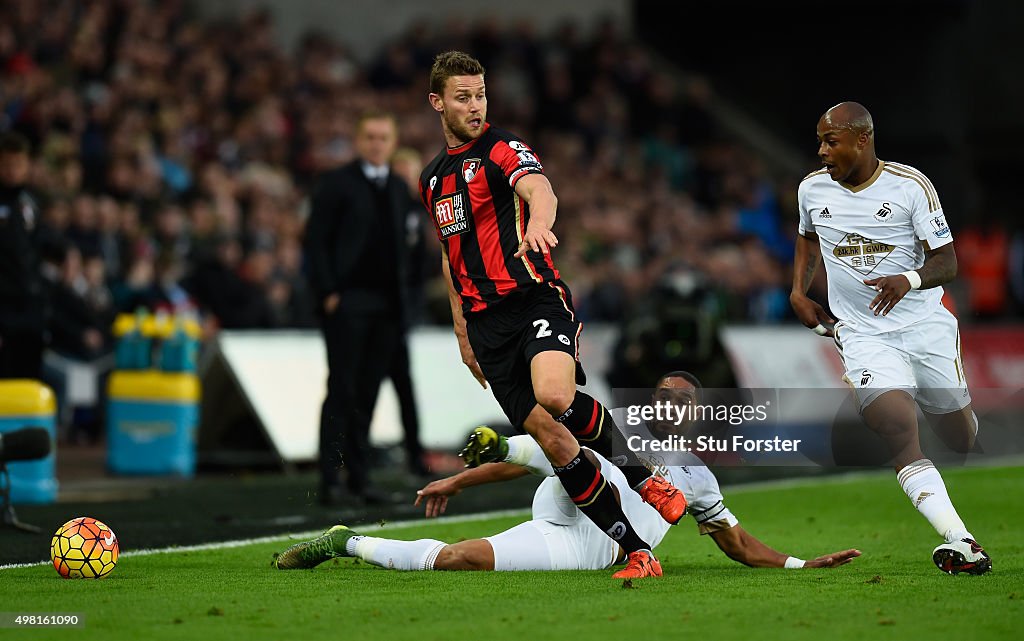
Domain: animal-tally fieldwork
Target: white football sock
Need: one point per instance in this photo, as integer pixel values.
(395, 555)
(524, 451)
(923, 484)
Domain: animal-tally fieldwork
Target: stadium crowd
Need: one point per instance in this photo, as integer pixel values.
(172, 158)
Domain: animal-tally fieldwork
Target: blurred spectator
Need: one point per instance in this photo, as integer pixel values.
(220, 290)
(22, 294)
(94, 290)
(136, 288)
(167, 291)
(160, 135)
(677, 322)
(78, 330)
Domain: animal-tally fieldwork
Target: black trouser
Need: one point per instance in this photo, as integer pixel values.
(360, 348)
(401, 377)
(21, 353)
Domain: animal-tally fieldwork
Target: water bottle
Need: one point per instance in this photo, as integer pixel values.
(178, 352)
(147, 330)
(133, 345)
(127, 335)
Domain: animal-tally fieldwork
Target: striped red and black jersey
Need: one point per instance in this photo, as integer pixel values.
(469, 192)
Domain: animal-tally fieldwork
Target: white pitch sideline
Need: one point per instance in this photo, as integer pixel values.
(221, 545)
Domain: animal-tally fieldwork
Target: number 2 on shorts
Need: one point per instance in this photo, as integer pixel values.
(542, 325)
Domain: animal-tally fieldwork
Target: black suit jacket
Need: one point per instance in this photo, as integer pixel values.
(343, 219)
(22, 292)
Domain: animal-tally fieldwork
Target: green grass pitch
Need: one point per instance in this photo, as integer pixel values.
(893, 591)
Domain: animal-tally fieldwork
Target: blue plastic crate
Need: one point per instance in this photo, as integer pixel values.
(152, 419)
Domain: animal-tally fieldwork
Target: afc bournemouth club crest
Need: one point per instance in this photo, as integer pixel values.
(469, 168)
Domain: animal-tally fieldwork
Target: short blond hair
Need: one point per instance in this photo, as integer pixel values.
(452, 63)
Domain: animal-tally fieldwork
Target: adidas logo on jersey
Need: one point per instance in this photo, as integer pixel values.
(824, 213)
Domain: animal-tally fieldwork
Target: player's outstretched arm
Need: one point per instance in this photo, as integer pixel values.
(939, 268)
(743, 547)
(435, 494)
(536, 190)
(805, 264)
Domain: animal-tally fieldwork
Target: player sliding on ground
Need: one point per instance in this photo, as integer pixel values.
(559, 536)
(887, 250)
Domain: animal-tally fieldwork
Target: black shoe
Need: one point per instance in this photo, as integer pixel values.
(964, 555)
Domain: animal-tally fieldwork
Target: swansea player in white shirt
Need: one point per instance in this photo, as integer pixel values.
(559, 536)
(887, 251)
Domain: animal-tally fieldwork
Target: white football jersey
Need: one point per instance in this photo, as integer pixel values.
(697, 483)
(700, 487)
(879, 228)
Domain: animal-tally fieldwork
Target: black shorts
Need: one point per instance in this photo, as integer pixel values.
(506, 337)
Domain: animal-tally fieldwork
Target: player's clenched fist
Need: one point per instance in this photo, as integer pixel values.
(811, 314)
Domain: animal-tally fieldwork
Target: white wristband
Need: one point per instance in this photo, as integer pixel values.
(820, 330)
(793, 563)
(914, 278)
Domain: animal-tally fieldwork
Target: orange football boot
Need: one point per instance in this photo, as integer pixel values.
(664, 497)
(640, 564)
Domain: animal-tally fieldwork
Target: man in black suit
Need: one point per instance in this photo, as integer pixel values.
(357, 266)
(22, 296)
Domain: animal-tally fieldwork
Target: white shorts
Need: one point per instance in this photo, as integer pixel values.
(923, 359)
(542, 545)
(560, 537)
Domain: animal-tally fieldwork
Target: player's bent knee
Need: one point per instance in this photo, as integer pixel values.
(555, 399)
(893, 412)
(555, 403)
(447, 559)
(554, 381)
(957, 429)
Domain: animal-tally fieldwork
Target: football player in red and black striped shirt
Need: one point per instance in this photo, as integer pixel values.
(493, 210)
